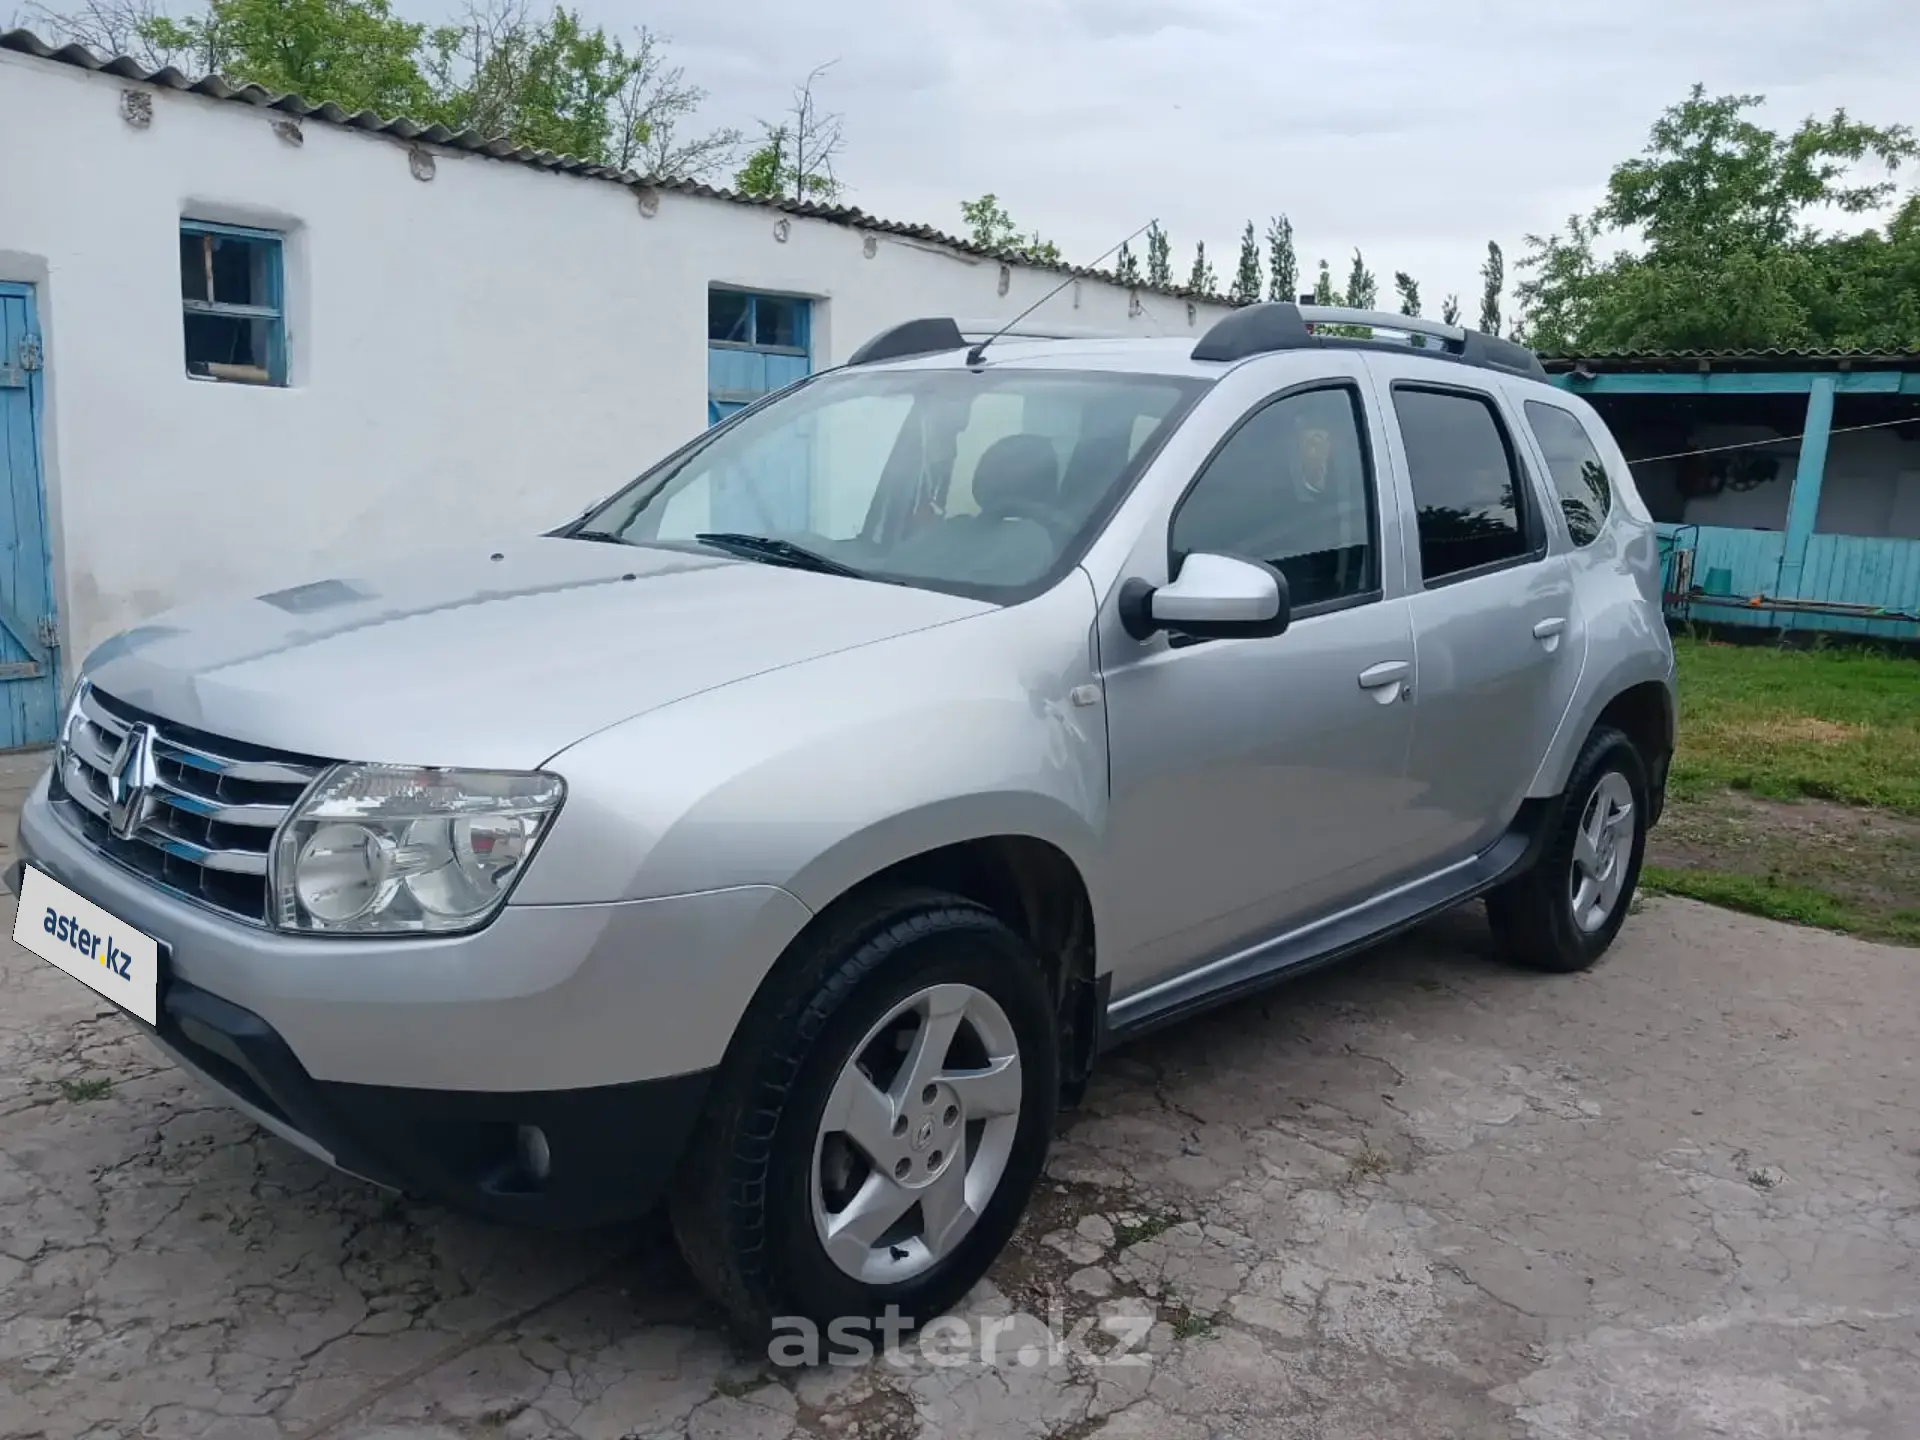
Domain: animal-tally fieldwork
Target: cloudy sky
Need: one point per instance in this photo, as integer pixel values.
(1415, 129)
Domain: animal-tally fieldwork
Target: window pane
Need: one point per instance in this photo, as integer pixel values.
(944, 478)
(777, 321)
(239, 271)
(1464, 486)
(229, 269)
(195, 251)
(1292, 488)
(229, 347)
(729, 316)
(1578, 473)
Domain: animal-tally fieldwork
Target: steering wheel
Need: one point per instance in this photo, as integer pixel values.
(1026, 507)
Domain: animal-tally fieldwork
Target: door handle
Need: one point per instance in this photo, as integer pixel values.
(1387, 681)
(1548, 628)
(1387, 672)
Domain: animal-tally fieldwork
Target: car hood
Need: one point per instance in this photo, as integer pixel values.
(492, 657)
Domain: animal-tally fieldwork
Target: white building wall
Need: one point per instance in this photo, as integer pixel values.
(474, 356)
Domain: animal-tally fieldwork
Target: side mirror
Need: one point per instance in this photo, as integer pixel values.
(1215, 597)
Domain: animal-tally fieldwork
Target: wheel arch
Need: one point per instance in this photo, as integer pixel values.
(1638, 700)
(1031, 882)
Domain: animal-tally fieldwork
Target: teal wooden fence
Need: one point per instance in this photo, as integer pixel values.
(1841, 569)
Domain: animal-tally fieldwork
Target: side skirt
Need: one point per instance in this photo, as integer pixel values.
(1331, 937)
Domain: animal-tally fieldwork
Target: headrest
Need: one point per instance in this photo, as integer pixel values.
(1015, 469)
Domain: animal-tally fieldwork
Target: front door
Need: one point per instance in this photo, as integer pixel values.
(29, 695)
(1499, 637)
(1257, 783)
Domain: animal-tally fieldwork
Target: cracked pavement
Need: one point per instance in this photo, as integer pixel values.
(1418, 1195)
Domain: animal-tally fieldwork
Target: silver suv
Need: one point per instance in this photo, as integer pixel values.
(790, 834)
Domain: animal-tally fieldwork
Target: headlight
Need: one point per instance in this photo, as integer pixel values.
(387, 849)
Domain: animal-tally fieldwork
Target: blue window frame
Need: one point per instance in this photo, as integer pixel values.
(755, 344)
(233, 303)
(770, 324)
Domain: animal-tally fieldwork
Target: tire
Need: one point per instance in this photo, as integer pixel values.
(765, 1177)
(1538, 919)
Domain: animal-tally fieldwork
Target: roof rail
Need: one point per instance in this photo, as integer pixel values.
(1280, 325)
(1037, 330)
(928, 335)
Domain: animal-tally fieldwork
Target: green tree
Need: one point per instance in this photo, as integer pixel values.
(1201, 280)
(356, 53)
(1126, 266)
(1159, 258)
(764, 174)
(121, 27)
(1246, 276)
(1716, 244)
(1283, 270)
(991, 228)
(794, 157)
(551, 84)
(555, 85)
(1450, 310)
(1323, 287)
(1363, 290)
(1408, 289)
(1493, 278)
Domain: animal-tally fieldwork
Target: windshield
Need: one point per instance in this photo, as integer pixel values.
(984, 483)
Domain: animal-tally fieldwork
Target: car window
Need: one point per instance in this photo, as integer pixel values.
(1579, 475)
(983, 483)
(1466, 491)
(1292, 487)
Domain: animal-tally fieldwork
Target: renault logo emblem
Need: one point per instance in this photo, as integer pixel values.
(131, 778)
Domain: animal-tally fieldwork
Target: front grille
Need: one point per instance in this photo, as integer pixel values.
(217, 804)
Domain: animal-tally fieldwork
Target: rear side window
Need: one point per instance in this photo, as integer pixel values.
(1291, 487)
(1466, 489)
(1578, 473)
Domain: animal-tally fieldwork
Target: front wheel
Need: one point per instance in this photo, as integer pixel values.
(1564, 912)
(879, 1123)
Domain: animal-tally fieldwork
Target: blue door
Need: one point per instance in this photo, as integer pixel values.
(757, 344)
(29, 694)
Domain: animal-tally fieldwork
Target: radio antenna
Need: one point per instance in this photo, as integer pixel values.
(973, 355)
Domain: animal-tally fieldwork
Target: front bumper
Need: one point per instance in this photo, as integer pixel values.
(604, 1154)
(415, 1062)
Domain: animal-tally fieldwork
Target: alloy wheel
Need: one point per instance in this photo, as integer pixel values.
(1602, 851)
(916, 1134)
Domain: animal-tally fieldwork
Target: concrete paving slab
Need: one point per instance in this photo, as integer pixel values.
(1421, 1195)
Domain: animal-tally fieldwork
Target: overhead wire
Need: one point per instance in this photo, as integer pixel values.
(1772, 440)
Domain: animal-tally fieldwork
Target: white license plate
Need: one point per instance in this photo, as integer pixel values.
(72, 932)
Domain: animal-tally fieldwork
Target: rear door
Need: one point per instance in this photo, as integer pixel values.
(1498, 638)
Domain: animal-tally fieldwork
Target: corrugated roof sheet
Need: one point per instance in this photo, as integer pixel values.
(500, 148)
(1603, 361)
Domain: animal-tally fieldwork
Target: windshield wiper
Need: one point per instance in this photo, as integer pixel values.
(777, 552)
(605, 537)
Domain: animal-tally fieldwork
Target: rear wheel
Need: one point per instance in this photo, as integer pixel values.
(1564, 912)
(879, 1123)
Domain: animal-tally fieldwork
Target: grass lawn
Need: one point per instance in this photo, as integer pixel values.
(1796, 789)
(1831, 724)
